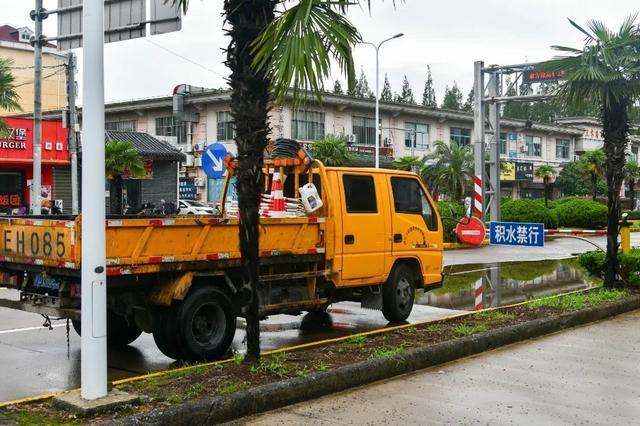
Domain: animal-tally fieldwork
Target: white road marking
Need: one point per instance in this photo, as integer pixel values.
(15, 330)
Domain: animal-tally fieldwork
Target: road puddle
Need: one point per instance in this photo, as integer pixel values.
(468, 287)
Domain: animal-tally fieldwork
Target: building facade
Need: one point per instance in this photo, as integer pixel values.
(14, 44)
(405, 130)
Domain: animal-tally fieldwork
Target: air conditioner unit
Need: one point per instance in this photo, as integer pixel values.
(198, 162)
(198, 181)
(351, 138)
(524, 149)
(197, 147)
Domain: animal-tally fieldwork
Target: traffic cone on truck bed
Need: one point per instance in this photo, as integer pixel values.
(277, 207)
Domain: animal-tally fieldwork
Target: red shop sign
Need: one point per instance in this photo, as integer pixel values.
(17, 145)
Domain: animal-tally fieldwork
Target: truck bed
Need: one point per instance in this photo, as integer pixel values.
(144, 245)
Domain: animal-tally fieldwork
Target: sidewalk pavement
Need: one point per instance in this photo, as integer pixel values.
(588, 374)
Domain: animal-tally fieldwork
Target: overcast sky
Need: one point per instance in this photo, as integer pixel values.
(448, 35)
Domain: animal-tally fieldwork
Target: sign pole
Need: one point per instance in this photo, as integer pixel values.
(478, 140)
(94, 289)
(37, 15)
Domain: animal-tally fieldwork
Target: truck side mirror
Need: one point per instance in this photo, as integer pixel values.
(467, 207)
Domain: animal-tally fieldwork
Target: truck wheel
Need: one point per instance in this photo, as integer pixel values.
(165, 332)
(119, 331)
(398, 294)
(206, 324)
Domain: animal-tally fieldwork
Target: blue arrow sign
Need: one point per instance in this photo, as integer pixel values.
(213, 160)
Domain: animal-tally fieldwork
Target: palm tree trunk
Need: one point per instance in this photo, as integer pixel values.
(616, 137)
(594, 186)
(546, 192)
(249, 107)
(632, 191)
(116, 188)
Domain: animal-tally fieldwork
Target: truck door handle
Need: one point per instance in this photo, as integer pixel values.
(349, 239)
(397, 238)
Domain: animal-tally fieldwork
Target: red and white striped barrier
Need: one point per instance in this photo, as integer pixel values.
(575, 231)
(477, 196)
(478, 295)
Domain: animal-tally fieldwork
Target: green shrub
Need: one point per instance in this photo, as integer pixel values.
(529, 211)
(448, 222)
(633, 214)
(593, 262)
(582, 214)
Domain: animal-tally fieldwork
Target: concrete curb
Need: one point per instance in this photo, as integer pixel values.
(276, 395)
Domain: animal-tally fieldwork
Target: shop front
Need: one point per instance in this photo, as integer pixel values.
(16, 166)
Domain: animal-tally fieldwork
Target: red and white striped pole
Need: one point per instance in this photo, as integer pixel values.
(477, 196)
(478, 289)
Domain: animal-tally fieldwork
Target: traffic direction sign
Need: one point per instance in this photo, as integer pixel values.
(213, 160)
(517, 234)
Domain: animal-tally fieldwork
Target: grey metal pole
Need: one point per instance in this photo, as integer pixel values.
(93, 374)
(377, 152)
(73, 141)
(478, 140)
(36, 180)
(494, 155)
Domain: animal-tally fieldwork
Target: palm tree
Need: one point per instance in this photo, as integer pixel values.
(269, 57)
(120, 157)
(632, 174)
(331, 150)
(546, 173)
(605, 72)
(8, 96)
(452, 167)
(408, 163)
(593, 163)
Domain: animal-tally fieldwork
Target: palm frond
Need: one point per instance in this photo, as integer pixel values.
(296, 49)
(588, 37)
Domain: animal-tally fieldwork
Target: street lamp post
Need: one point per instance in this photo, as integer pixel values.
(377, 47)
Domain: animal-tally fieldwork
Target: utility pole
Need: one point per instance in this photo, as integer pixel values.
(73, 140)
(37, 41)
(93, 362)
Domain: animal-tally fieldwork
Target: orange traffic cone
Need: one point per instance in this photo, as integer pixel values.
(277, 206)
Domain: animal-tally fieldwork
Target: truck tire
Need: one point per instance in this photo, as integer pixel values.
(398, 294)
(165, 332)
(119, 332)
(206, 324)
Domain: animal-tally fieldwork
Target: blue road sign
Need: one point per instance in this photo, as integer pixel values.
(213, 160)
(517, 234)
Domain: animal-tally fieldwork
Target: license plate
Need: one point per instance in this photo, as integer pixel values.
(46, 282)
(33, 241)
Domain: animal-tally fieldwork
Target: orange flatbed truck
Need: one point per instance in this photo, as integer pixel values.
(376, 239)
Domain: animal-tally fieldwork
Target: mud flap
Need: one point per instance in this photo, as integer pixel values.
(372, 298)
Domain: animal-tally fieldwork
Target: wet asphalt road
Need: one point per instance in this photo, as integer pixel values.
(36, 360)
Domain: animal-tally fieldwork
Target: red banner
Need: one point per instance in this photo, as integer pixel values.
(17, 145)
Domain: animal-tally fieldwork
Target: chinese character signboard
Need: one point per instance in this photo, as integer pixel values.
(507, 171)
(524, 171)
(517, 234)
(17, 145)
(187, 189)
(534, 75)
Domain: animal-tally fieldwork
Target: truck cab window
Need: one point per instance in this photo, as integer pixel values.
(409, 198)
(360, 194)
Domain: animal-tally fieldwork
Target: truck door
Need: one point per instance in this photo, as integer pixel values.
(363, 227)
(415, 226)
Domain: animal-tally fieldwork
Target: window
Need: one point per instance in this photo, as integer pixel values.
(122, 125)
(360, 194)
(416, 135)
(166, 126)
(633, 154)
(226, 126)
(307, 125)
(408, 197)
(562, 149)
(534, 146)
(503, 144)
(364, 129)
(460, 135)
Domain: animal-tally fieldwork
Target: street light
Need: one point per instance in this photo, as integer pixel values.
(377, 47)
